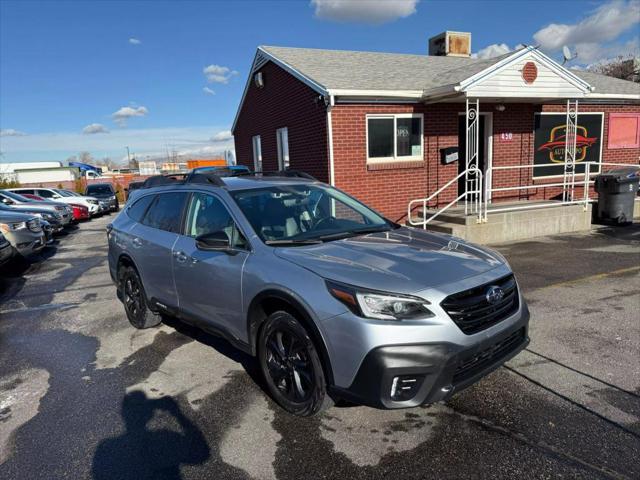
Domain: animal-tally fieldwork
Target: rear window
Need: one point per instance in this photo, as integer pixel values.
(99, 189)
(138, 209)
(165, 213)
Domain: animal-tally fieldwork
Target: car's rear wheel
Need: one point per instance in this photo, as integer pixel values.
(291, 366)
(135, 300)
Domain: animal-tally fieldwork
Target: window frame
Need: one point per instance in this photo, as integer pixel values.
(257, 156)
(181, 220)
(613, 145)
(282, 158)
(395, 157)
(187, 211)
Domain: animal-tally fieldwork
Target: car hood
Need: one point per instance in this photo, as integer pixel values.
(403, 260)
(41, 207)
(29, 210)
(15, 217)
(102, 196)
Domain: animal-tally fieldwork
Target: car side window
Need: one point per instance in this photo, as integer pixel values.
(45, 193)
(139, 208)
(165, 212)
(207, 214)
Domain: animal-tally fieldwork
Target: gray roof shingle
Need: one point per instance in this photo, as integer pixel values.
(350, 70)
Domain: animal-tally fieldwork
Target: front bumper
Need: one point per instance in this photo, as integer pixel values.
(431, 372)
(26, 247)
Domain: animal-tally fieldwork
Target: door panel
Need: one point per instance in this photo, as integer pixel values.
(209, 283)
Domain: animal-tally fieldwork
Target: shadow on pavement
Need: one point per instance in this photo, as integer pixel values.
(144, 453)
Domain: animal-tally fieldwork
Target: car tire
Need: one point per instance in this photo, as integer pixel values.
(291, 366)
(135, 300)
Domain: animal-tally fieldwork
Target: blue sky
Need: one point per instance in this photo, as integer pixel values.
(67, 66)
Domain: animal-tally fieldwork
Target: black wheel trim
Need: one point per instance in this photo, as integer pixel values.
(132, 296)
(289, 365)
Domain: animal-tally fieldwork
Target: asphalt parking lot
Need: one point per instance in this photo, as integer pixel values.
(84, 395)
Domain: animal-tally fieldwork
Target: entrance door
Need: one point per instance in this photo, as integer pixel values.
(462, 142)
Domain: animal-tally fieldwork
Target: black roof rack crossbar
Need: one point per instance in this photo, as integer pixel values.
(205, 177)
(157, 180)
(288, 173)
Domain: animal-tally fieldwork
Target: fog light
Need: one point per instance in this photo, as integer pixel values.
(405, 387)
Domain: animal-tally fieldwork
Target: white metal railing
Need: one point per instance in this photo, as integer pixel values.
(586, 183)
(475, 194)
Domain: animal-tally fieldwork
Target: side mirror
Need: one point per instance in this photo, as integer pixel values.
(7, 201)
(214, 241)
(55, 195)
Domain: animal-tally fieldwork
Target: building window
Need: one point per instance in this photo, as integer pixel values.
(394, 137)
(624, 130)
(283, 148)
(257, 154)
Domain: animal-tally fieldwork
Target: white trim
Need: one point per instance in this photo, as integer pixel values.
(621, 96)
(395, 158)
(282, 135)
(257, 159)
(376, 93)
(332, 171)
(580, 114)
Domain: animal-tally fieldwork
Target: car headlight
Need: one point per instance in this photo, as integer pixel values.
(380, 305)
(9, 227)
(112, 197)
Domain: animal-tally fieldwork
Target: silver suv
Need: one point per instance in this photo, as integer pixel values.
(334, 300)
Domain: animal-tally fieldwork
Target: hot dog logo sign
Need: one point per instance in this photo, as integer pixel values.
(550, 142)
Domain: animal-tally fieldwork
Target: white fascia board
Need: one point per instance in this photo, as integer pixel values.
(339, 92)
(613, 96)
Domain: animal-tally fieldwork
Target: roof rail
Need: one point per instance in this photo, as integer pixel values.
(289, 173)
(205, 177)
(182, 178)
(158, 180)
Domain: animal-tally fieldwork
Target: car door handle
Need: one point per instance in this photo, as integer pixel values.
(180, 257)
(137, 242)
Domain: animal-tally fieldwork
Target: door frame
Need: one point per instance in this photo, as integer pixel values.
(488, 147)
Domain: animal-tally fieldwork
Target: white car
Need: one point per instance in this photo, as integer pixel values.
(63, 196)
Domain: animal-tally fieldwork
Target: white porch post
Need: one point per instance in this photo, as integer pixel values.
(472, 180)
(569, 179)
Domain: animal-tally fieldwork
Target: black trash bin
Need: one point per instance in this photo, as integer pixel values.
(617, 190)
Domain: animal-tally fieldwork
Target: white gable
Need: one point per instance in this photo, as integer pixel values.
(505, 79)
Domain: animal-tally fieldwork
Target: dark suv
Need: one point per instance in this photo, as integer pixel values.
(105, 193)
(332, 298)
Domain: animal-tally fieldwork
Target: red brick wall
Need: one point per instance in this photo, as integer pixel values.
(389, 188)
(284, 101)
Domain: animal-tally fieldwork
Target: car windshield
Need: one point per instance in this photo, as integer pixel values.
(71, 194)
(16, 197)
(303, 214)
(99, 190)
(64, 193)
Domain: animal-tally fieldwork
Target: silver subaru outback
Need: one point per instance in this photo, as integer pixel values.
(334, 300)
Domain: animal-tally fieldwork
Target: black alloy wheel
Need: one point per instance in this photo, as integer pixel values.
(135, 300)
(291, 366)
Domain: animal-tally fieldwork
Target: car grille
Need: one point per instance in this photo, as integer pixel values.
(471, 310)
(34, 225)
(478, 362)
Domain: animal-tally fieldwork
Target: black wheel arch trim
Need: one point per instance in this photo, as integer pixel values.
(255, 319)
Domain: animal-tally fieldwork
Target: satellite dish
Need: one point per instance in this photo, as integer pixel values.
(568, 56)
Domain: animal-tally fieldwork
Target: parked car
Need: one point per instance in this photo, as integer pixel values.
(33, 197)
(133, 186)
(332, 298)
(53, 219)
(104, 192)
(224, 171)
(62, 196)
(80, 212)
(24, 232)
(20, 202)
(6, 250)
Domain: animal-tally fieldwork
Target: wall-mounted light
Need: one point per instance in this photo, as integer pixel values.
(500, 107)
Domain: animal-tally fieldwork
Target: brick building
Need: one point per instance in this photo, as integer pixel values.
(391, 128)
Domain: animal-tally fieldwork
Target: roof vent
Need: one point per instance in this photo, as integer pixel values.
(258, 80)
(451, 44)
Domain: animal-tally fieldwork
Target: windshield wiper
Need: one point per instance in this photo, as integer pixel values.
(353, 233)
(293, 242)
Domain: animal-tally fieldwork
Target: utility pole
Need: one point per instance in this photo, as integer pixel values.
(128, 156)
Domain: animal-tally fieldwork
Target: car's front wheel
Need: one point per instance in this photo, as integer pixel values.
(135, 300)
(291, 366)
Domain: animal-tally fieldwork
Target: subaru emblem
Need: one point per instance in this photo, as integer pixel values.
(494, 294)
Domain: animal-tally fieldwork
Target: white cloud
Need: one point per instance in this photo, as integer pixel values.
(590, 53)
(223, 136)
(364, 11)
(208, 91)
(94, 128)
(134, 41)
(10, 132)
(122, 115)
(491, 51)
(590, 36)
(218, 73)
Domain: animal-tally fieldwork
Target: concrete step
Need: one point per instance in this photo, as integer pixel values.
(452, 217)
